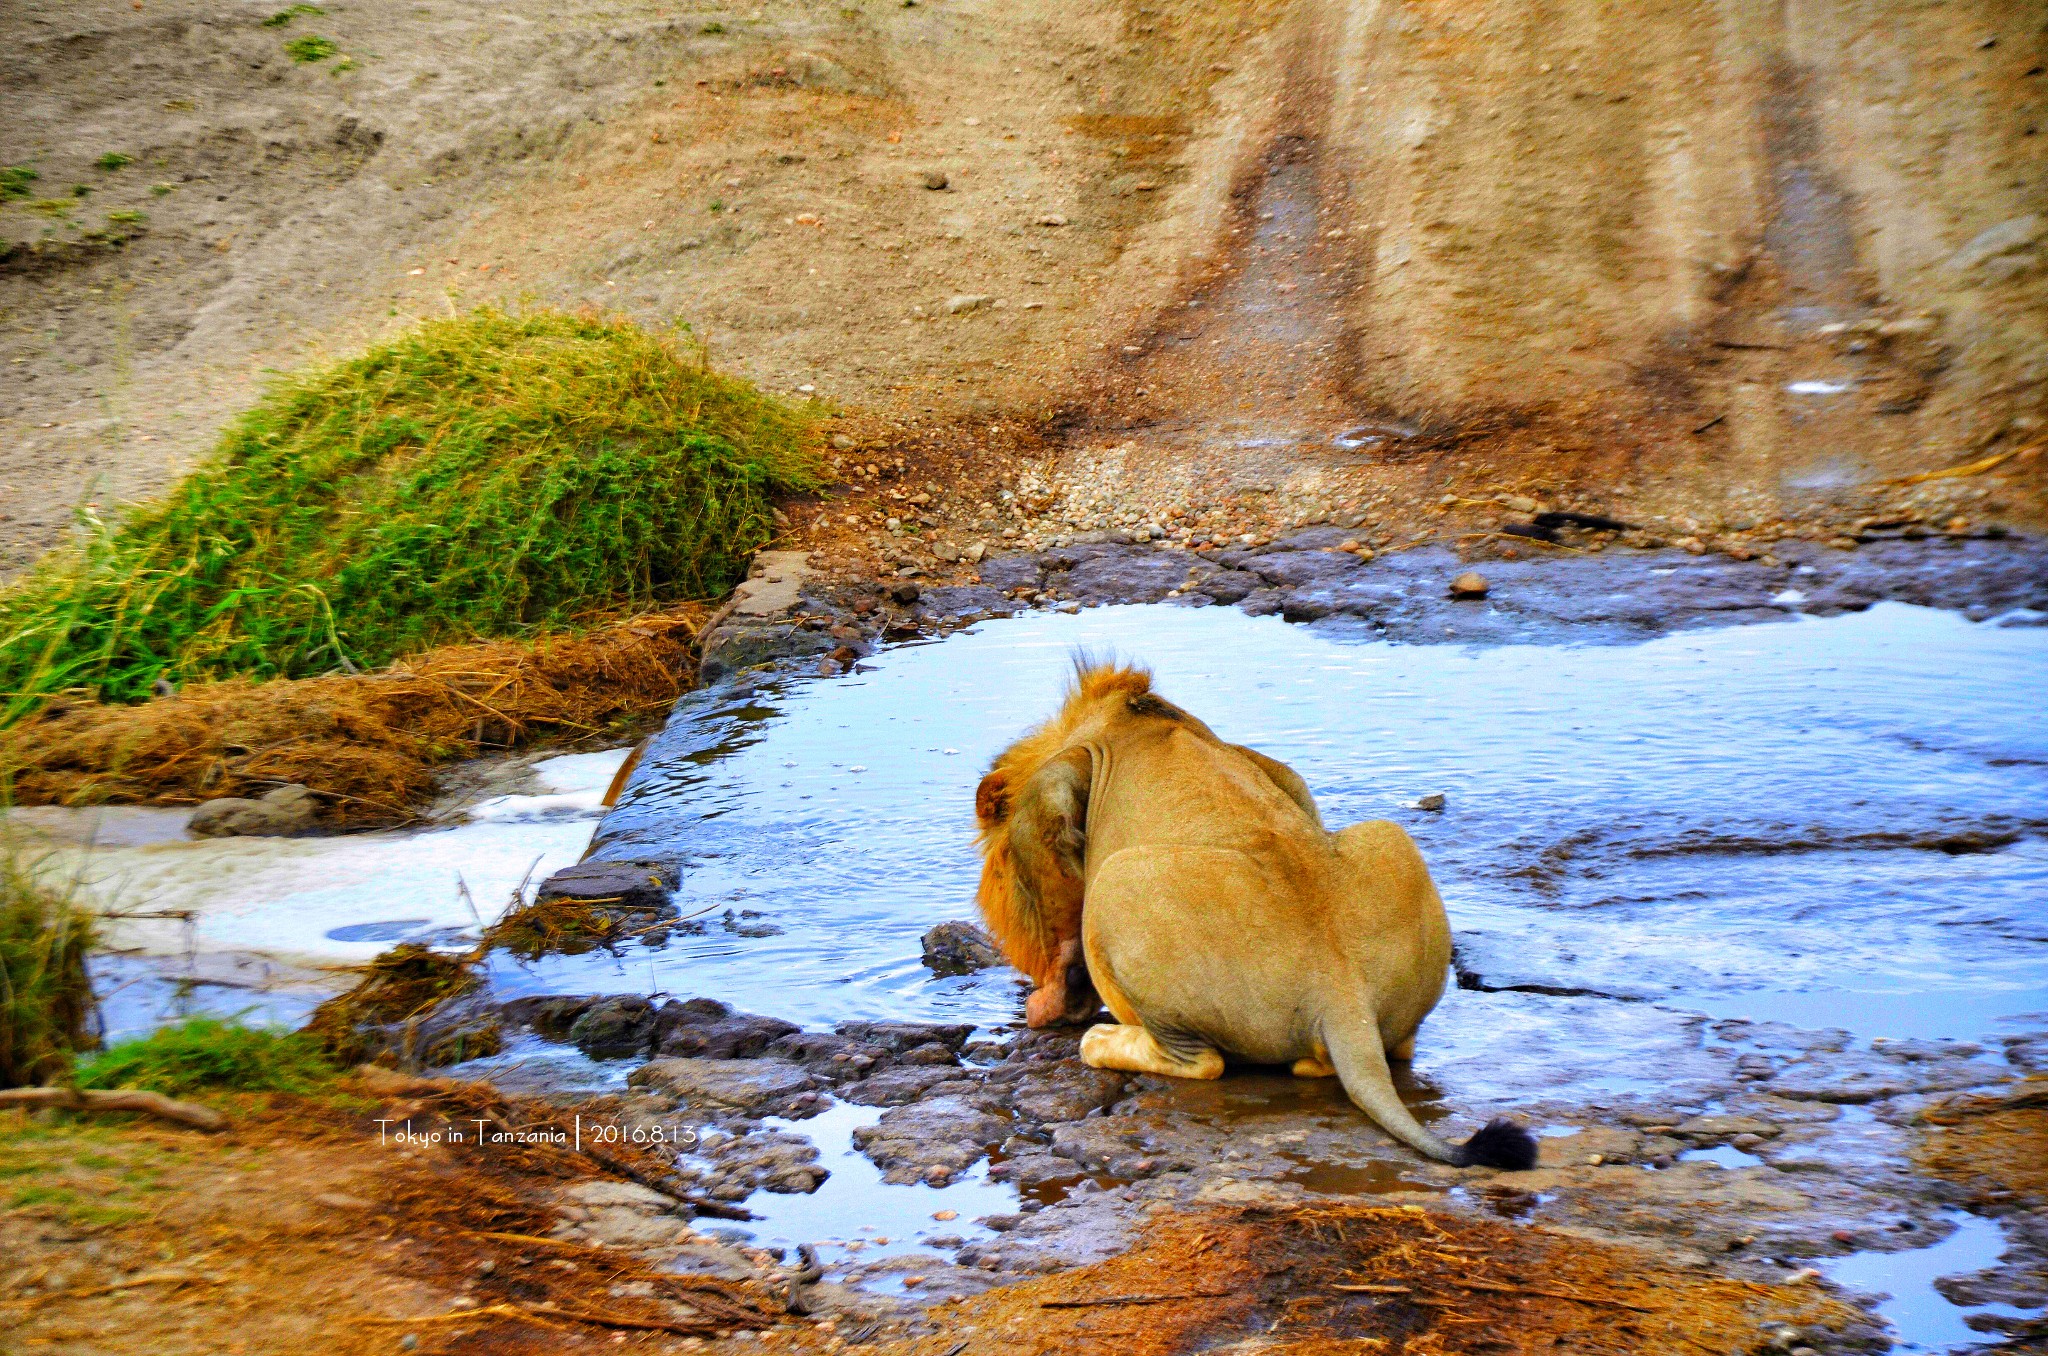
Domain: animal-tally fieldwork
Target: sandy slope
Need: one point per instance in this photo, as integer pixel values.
(1209, 236)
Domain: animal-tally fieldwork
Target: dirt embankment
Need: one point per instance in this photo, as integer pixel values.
(1718, 267)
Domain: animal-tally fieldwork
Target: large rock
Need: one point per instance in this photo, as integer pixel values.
(281, 813)
(706, 1028)
(751, 1085)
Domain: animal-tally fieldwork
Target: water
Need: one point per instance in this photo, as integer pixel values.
(257, 928)
(855, 1206)
(1834, 822)
(1920, 1317)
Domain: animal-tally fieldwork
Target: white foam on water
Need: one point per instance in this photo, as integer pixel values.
(280, 897)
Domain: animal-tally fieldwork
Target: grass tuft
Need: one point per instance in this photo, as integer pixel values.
(15, 181)
(114, 160)
(485, 475)
(45, 997)
(310, 48)
(207, 1053)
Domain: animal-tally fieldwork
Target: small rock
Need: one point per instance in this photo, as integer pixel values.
(614, 1028)
(943, 1215)
(1433, 801)
(1520, 503)
(1050, 219)
(964, 302)
(640, 886)
(935, 180)
(1470, 584)
(973, 554)
(280, 813)
(959, 949)
(842, 442)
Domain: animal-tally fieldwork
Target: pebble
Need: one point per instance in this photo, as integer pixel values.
(943, 1215)
(1470, 584)
(967, 301)
(1433, 801)
(935, 180)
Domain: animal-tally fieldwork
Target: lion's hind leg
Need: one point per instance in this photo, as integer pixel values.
(1133, 1049)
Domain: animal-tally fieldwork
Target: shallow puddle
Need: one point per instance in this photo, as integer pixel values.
(1920, 1317)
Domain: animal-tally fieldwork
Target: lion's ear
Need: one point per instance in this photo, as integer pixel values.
(992, 799)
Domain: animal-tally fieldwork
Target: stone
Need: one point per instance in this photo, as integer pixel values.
(2006, 237)
(773, 585)
(615, 1028)
(280, 813)
(751, 1085)
(897, 1087)
(638, 886)
(1520, 503)
(935, 180)
(946, 551)
(942, 1132)
(1049, 219)
(1470, 584)
(821, 72)
(1713, 1129)
(959, 948)
(1433, 801)
(1066, 1091)
(691, 1030)
(964, 302)
(551, 1017)
(897, 1037)
(632, 1194)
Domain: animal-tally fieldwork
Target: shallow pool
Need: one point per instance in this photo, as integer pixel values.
(1836, 822)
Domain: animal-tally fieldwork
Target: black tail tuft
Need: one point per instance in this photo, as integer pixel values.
(1499, 1144)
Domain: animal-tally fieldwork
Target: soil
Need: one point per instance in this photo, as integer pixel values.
(1180, 249)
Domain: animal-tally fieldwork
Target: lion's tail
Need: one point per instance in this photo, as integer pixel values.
(1353, 1040)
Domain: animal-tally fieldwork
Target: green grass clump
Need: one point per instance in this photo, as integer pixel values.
(45, 997)
(482, 476)
(204, 1053)
(114, 160)
(285, 16)
(15, 181)
(310, 48)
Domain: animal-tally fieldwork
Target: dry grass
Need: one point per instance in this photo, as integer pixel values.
(335, 1239)
(1358, 1279)
(366, 744)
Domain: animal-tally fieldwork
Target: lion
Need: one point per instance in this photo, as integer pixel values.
(1129, 851)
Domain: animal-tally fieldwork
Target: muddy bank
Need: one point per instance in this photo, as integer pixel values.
(1773, 1156)
(787, 614)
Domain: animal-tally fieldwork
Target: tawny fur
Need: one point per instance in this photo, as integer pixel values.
(1025, 922)
(1217, 916)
